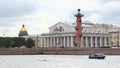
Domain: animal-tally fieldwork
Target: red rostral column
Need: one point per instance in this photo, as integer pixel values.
(78, 28)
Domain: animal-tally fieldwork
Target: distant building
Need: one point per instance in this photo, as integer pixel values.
(63, 34)
(23, 31)
(115, 38)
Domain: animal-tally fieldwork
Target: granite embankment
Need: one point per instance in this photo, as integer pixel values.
(58, 51)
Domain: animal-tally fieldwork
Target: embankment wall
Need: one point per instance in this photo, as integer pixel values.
(58, 51)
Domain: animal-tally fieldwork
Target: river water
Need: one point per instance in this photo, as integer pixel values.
(57, 61)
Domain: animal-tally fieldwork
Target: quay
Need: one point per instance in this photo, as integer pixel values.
(58, 51)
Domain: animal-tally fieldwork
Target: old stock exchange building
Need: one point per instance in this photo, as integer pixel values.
(63, 34)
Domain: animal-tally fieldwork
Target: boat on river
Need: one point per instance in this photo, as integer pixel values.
(97, 56)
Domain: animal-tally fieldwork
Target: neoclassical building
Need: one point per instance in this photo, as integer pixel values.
(63, 34)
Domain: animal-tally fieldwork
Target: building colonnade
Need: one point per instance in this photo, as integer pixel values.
(58, 41)
(90, 41)
(68, 40)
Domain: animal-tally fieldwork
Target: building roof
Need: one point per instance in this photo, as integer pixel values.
(61, 23)
(99, 25)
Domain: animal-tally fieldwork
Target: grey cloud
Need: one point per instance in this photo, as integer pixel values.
(88, 13)
(4, 30)
(106, 1)
(14, 8)
(113, 12)
(108, 13)
(6, 24)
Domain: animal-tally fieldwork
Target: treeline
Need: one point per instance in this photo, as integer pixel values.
(11, 42)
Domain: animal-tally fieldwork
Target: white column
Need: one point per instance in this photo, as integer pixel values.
(100, 41)
(53, 41)
(71, 41)
(64, 42)
(91, 41)
(61, 41)
(48, 42)
(105, 42)
(57, 41)
(45, 42)
(42, 42)
(47, 39)
(67, 41)
(82, 41)
(86, 41)
(96, 42)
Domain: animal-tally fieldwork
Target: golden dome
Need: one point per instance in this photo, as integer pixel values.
(23, 31)
(23, 28)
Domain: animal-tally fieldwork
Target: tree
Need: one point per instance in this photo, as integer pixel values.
(18, 41)
(7, 42)
(30, 43)
(1, 42)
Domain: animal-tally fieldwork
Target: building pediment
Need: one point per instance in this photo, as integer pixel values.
(61, 27)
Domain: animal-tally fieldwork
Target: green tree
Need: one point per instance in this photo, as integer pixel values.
(1, 42)
(18, 41)
(30, 43)
(7, 42)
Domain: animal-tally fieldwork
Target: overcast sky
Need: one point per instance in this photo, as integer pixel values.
(39, 15)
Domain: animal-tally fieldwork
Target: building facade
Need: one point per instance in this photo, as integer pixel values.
(63, 35)
(115, 38)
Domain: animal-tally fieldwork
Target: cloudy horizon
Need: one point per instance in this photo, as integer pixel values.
(38, 15)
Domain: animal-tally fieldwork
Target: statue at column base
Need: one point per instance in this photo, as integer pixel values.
(78, 44)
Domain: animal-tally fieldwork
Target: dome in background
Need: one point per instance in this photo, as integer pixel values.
(23, 31)
(23, 28)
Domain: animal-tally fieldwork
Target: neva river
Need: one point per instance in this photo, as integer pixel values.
(57, 61)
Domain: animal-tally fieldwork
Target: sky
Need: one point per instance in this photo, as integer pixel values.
(39, 15)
